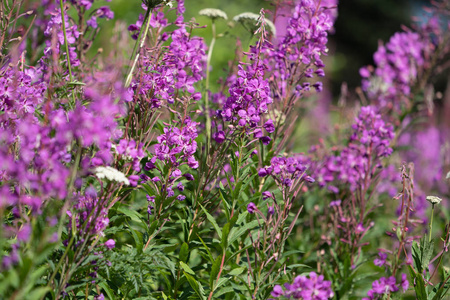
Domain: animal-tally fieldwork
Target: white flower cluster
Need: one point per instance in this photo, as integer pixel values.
(154, 3)
(434, 200)
(111, 174)
(169, 3)
(213, 13)
(248, 18)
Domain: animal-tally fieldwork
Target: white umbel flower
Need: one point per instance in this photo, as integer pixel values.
(434, 200)
(251, 19)
(111, 174)
(213, 13)
(154, 3)
(246, 16)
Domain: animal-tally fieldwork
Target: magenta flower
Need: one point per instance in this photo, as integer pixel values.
(381, 260)
(313, 288)
(251, 208)
(110, 244)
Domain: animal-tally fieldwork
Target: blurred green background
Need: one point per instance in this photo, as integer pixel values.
(361, 24)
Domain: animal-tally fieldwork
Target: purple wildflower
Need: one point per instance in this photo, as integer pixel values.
(314, 288)
(381, 260)
(219, 137)
(110, 244)
(251, 208)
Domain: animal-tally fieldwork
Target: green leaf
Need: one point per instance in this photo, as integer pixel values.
(436, 293)
(14, 278)
(196, 286)
(130, 213)
(439, 291)
(225, 232)
(224, 290)
(244, 229)
(290, 267)
(76, 83)
(152, 227)
(184, 252)
(221, 282)
(213, 221)
(422, 254)
(234, 219)
(138, 238)
(186, 268)
(242, 217)
(215, 270)
(236, 271)
(107, 290)
(207, 249)
(237, 189)
(249, 180)
(237, 252)
(38, 293)
(419, 285)
(415, 251)
(427, 252)
(290, 252)
(226, 204)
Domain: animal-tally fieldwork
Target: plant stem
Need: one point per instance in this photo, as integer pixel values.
(431, 222)
(218, 275)
(61, 260)
(69, 65)
(63, 17)
(208, 65)
(141, 41)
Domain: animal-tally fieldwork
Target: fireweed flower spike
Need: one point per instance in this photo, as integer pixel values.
(397, 66)
(369, 144)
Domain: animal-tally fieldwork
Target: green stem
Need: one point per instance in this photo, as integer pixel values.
(431, 222)
(61, 260)
(70, 189)
(63, 19)
(63, 215)
(208, 65)
(141, 41)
